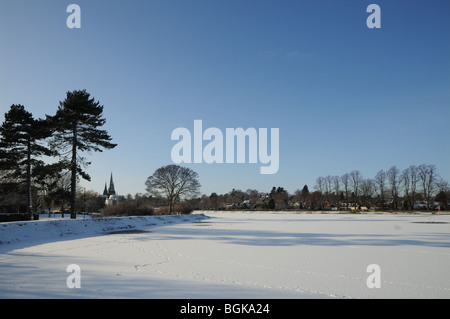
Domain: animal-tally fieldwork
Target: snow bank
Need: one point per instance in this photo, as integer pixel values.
(60, 229)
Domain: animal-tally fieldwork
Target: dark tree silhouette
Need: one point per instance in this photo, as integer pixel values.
(77, 122)
(21, 145)
(173, 182)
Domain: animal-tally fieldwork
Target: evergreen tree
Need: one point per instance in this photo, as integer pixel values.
(21, 145)
(77, 122)
(271, 203)
(305, 190)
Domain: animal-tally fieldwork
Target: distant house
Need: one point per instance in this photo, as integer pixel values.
(114, 199)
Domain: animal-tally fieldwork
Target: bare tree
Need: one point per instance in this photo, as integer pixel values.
(408, 179)
(346, 181)
(427, 177)
(320, 187)
(413, 179)
(380, 183)
(355, 181)
(173, 183)
(367, 189)
(442, 185)
(393, 176)
(442, 195)
(328, 187)
(337, 188)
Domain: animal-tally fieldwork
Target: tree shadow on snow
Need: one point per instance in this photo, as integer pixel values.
(277, 238)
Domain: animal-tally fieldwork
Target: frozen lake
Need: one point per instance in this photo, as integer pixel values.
(229, 255)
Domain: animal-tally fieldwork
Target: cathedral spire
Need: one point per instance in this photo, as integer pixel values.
(105, 191)
(111, 190)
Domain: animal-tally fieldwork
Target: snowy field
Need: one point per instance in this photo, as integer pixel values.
(228, 255)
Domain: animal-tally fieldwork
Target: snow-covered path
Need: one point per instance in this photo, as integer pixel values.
(230, 255)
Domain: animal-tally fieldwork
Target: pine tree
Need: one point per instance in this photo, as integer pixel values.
(21, 146)
(77, 123)
(305, 190)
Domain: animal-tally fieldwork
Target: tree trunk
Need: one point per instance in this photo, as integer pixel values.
(73, 180)
(171, 203)
(30, 199)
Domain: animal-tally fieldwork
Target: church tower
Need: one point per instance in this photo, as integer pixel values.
(109, 194)
(105, 191)
(111, 190)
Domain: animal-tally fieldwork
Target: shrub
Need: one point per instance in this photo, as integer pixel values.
(178, 208)
(128, 209)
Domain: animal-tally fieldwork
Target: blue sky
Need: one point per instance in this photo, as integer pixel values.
(343, 96)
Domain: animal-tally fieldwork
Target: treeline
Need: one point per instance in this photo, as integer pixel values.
(415, 187)
(61, 139)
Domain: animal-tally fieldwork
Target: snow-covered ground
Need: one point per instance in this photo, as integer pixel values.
(228, 255)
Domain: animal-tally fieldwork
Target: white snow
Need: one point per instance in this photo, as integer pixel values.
(228, 255)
